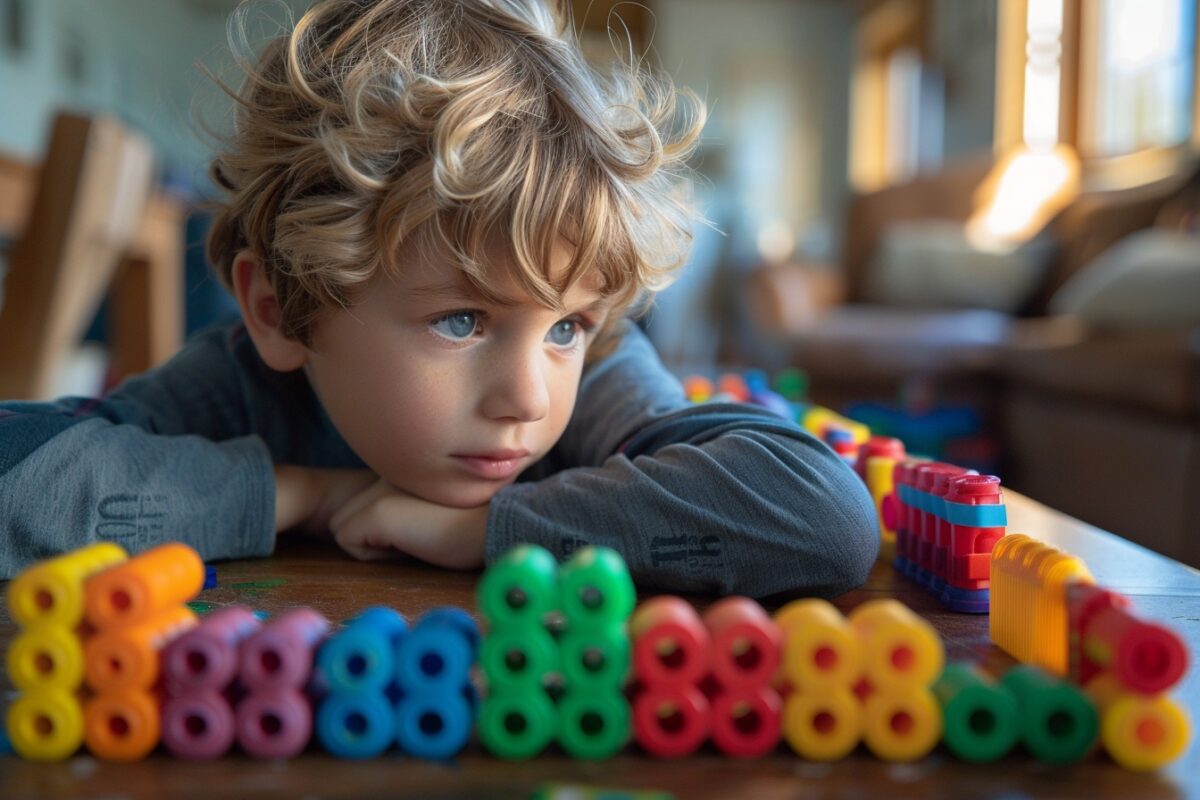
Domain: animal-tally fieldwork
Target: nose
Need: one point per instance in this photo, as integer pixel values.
(517, 387)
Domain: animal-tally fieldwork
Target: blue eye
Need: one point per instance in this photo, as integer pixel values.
(564, 333)
(457, 326)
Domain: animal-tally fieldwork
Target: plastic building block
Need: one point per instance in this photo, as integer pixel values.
(670, 643)
(746, 720)
(355, 724)
(129, 657)
(979, 715)
(746, 643)
(1106, 636)
(900, 649)
(1058, 723)
(821, 648)
(46, 657)
(519, 658)
(880, 471)
(596, 588)
(280, 655)
(671, 720)
(593, 723)
(434, 656)
(1140, 732)
(198, 725)
(597, 657)
(146, 584)
(1029, 582)
(361, 657)
(903, 724)
(46, 725)
(520, 588)
(206, 656)
(122, 724)
(274, 722)
(51, 592)
(975, 518)
(791, 383)
(823, 724)
(886, 447)
(517, 725)
(433, 723)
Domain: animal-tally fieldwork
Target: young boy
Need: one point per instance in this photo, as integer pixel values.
(438, 220)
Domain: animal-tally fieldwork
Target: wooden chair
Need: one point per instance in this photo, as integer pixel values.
(86, 214)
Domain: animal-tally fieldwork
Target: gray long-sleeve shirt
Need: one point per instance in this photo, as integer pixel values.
(719, 497)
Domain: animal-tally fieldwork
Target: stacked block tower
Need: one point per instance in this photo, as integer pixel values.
(556, 653)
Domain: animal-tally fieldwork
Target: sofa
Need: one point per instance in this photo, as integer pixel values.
(1099, 420)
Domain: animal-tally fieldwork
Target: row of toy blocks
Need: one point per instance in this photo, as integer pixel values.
(583, 664)
(1047, 611)
(705, 678)
(947, 520)
(132, 608)
(372, 683)
(866, 677)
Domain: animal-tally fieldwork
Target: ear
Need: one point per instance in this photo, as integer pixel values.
(260, 311)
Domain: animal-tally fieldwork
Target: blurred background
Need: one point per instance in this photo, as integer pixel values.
(971, 224)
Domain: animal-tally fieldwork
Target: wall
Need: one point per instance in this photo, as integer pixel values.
(134, 58)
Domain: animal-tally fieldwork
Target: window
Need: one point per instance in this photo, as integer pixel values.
(1138, 76)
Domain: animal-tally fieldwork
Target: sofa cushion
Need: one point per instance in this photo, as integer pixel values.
(1151, 370)
(1149, 279)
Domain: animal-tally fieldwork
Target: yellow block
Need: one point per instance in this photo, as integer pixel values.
(1140, 732)
(820, 646)
(46, 725)
(902, 725)
(46, 657)
(51, 592)
(1028, 615)
(823, 724)
(900, 650)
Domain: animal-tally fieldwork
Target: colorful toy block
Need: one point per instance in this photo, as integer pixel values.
(979, 716)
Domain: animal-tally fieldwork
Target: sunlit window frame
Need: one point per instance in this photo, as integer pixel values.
(1079, 22)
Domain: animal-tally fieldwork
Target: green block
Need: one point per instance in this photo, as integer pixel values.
(519, 588)
(596, 588)
(593, 724)
(1059, 724)
(596, 657)
(980, 716)
(517, 724)
(518, 658)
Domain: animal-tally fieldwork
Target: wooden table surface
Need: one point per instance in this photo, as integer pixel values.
(318, 575)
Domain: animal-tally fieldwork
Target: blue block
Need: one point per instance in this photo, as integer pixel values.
(966, 601)
(361, 656)
(433, 724)
(355, 724)
(436, 654)
(458, 618)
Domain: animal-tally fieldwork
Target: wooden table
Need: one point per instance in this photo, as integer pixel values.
(315, 574)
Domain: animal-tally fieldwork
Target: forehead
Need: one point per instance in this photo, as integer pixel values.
(431, 276)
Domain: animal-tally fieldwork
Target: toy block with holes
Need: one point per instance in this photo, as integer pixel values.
(135, 608)
(556, 653)
(1048, 611)
(200, 670)
(865, 677)
(45, 660)
(705, 678)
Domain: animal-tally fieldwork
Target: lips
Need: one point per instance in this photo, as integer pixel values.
(493, 464)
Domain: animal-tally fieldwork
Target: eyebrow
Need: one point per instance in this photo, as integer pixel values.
(459, 291)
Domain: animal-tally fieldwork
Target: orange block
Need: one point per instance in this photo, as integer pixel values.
(129, 657)
(139, 588)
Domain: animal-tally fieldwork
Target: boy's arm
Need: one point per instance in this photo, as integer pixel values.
(723, 498)
(183, 453)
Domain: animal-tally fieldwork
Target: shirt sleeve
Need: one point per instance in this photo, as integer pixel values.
(176, 454)
(721, 498)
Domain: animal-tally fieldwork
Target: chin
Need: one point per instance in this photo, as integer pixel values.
(462, 496)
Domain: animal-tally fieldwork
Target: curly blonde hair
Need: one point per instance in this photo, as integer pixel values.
(449, 124)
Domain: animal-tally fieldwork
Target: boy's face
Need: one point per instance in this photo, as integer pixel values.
(443, 395)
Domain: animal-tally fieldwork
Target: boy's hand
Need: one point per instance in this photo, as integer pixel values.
(308, 498)
(384, 521)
